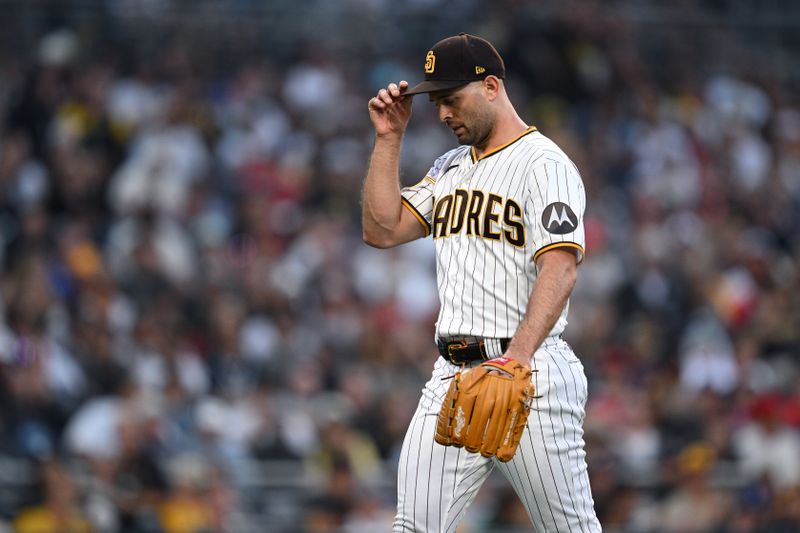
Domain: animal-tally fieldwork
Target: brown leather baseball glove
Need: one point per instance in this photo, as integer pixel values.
(486, 412)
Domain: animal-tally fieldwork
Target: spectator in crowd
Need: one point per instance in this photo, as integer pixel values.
(60, 512)
(185, 298)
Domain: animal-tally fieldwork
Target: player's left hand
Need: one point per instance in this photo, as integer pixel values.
(486, 408)
(523, 360)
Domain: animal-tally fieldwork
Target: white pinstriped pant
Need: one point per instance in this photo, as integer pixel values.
(436, 483)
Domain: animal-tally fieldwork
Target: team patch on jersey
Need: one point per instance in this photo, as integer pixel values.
(558, 218)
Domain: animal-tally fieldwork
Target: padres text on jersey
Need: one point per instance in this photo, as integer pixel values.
(480, 214)
(491, 218)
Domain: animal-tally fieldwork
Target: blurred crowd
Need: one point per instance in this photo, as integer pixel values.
(193, 337)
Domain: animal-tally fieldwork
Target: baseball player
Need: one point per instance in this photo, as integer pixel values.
(505, 210)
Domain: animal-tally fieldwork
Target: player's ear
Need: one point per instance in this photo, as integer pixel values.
(491, 86)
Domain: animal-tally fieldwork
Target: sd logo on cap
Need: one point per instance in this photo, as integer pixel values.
(458, 60)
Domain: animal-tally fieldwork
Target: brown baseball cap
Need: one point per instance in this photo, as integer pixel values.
(458, 60)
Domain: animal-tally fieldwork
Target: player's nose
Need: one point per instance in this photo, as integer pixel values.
(445, 113)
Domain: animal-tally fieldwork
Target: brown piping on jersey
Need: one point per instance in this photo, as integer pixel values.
(493, 151)
(553, 246)
(419, 217)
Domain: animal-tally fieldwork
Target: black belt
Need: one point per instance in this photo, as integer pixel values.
(462, 352)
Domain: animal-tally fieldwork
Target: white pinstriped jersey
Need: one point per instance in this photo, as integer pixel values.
(490, 218)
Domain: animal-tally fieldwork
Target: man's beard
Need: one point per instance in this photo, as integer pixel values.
(480, 126)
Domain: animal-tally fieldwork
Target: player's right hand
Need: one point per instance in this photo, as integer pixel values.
(389, 110)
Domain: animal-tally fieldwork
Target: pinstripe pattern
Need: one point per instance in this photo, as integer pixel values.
(548, 471)
(475, 274)
(485, 274)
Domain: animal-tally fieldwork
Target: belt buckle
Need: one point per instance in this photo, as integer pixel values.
(455, 345)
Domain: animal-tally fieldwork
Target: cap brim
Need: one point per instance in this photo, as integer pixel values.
(435, 85)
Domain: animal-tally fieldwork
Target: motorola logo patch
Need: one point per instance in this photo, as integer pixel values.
(558, 218)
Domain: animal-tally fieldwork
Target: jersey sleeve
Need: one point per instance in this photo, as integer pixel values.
(555, 207)
(419, 198)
